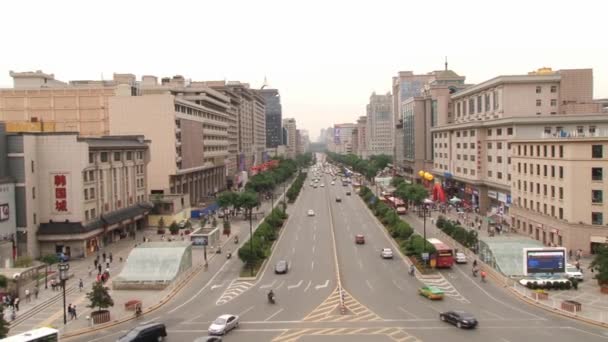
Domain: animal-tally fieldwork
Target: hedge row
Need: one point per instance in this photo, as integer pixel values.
(467, 238)
(263, 237)
(556, 285)
(294, 189)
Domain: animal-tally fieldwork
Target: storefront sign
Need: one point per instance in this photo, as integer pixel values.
(502, 197)
(4, 212)
(60, 184)
(492, 194)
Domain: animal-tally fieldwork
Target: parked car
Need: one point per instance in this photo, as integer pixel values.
(359, 239)
(281, 267)
(311, 212)
(386, 253)
(572, 272)
(461, 258)
(460, 319)
(223, 324)
(145, 333)
(322, 185)
(431, 292)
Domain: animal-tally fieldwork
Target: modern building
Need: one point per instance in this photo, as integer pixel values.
(342, 138)
(74, 195)
(274, 117)
(362, 140)
(558, 186)
(8, 224)
(303, 143)
(380, 125)
(290, 137)
(355, 141)
(189, 136)
(472, 146)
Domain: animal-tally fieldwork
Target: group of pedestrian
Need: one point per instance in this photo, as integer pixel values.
(11, 302)
(72, 312)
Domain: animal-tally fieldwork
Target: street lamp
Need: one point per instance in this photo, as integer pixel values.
(251, 237)
(425, 205)
(63, 276)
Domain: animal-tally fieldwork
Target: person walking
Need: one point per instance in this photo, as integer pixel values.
(90, 271)
(74, 315)
(104, 256)
(111, 258)
(28, 298)
(107, 262)
(95, 262)
(16, 303)
(99, 269)
(80, 285)
(70, 311)
(36, 291)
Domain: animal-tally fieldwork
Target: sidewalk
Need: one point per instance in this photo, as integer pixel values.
(47, 310)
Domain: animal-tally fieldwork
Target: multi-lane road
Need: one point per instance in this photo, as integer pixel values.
(379, 296)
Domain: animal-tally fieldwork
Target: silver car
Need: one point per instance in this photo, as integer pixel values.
(223, 324)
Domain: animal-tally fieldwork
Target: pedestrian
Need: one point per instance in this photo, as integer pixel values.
(27, 296)
(70, 311)
(95, 263)
(80, 285)
(120, 259)
(570, 254)
(99, 269)
(36, 292)
(53, 284)
(108, 272)
(90, 271)
(16, 304)
(104, 256)
(578, 265)
(111, 258)
(74, 315)
(108, 263)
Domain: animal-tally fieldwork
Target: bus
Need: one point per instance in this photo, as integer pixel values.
(397, 204)
(444, 254)
(36, 335)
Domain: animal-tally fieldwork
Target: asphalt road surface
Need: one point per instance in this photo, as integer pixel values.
(380, 297)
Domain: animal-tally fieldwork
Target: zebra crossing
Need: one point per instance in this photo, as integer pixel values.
(440, 282)
(235, 289)
(330, 310)
(395, 334)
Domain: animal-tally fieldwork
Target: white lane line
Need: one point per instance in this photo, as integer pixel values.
(434, 308)
(293, 250)
(274, 314)
(307, 286)
(360, 264)
(296, 237)
(369, 285)
(313, 249)
(213, 287)
(199, 291)
(246, 311)
(397, 285)
(312, 265)
(493, 314)
(314, 237)
(322, 286)
(280, 284)
(295, 286)
(268, 285)
(409, 313)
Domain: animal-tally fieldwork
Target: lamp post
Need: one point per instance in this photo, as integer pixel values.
(425, 205)
(63, 276)
(251, 237)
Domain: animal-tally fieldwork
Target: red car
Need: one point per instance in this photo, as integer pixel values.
(359, 239)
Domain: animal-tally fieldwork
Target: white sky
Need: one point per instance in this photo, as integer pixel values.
(325, 57)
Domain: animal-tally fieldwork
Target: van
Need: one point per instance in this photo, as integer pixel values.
(572, 272)
(146, 332)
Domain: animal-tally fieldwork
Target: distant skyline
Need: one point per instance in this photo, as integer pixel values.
(325, 57)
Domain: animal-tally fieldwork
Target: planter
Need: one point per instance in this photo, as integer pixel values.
(175, 232)
(604, 289)
(572, 306)
(160, 231)
(540, 295)
(132, 304)
(101, 316)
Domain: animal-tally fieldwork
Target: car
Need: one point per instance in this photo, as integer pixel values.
(312, 184)
(431, 292)
(348, 193)
(281, 267)
(311, 212)
(145, 332)
(461, 258)
(209, 339)
(386, 253)
(359, 239)
(572, 272)
(460, 319)
(223, 324)
(322, 185)
(338, 199)
(332, 183)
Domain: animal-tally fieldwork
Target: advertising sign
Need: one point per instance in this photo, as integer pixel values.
(60, 190)
(337, 135)
(200, 240)
(544, 260)
(4, 212)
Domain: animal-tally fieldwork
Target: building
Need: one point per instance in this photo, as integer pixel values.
(74, 195)
(558, 186)
(472, 147)
(189, 136)
(362, 139)
(380, 125)
(8, 224)
(77, 106)
(342, 138)
(303, 143)
(355, 141)
(290, 137)
(274, 117)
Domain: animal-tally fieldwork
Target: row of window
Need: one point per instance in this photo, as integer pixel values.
(89, 193)
(199, 113)
(499, 175)
(530, 205)
(104, 157)
(540, 102)
(475, 104)
(551, 238)
(545, 187)
(545, 169)
(539, 89)
(545, 150)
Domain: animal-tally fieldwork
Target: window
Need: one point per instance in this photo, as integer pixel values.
(472, 172)
(490, 132)
(116, 156)
(510, 131)
(538, 89)
(86, 215)
(554, 89)
(508, 160)
(597, 173)
(486, 99)
(465, 157)
(597, 196)
(538, 150)
(519, 167)
(93, 214)
(519, 150)
(580, 129)
(86, 194)
(91, 158)
(458, 109)
(34, 192)
(489, 146)
(539, 103)
(499, 159)
(552, 151)
(545, 208)
(458, 156)
(552, 170)
(465, 133)
(458, 134)
(489, 159)
(499, 145)
(457, 145)
(489, 173)
(472, 145)
(544, 189)
(597, 218)
(525, 168)
(140, 155)
(472, 133)
(92, 193)
(547, 130)
(472, 158)
(519, 184)
(538, 188)
(591, 129)
(553, 102)
(85, 176)
(561, 193)
(479, 104)
(561, 213)
(561, 172)
(537, 169)
(561, 151)
(471, 106)
(465, 171)
(499, 131)
(495, 99)
(499, 175)
(545, 170)
(544, 150)
(129, 155)
(104, 157)
(91, 175)
(597, 151)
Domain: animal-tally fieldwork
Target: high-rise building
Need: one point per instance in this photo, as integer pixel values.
(274, 117)
(362, 137)
(291, 140)
(342, 138)
(380, 125)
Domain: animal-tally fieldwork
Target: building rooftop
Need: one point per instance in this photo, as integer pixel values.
(118, 141)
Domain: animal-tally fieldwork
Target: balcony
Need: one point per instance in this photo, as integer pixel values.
(209, 142)
(207, 131)
(209, 154)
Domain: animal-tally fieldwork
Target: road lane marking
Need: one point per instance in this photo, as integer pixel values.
(314, 237)
(312, 265)
(313, 249)
(235, 289)
(307, 286)
(213, 287)
(295, 286)
(493, 314)
(369, 285)
(280, 284)
(322, 286)
(246, 311)
(268, 285)
(274, 314)
(293, 250)
(409, 313)
(397, 285)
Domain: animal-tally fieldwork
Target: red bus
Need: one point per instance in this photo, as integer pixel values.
(444, 254)
(397, 204)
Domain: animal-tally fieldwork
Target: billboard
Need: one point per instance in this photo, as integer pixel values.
(4, 212)
(544, 260)
(337, 135)
(60, 183)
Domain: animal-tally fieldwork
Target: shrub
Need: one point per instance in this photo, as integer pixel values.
(440, 222)
(390, 218)
(568, 285)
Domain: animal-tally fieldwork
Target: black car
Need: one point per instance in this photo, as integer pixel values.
(281, 267)
(460, 319)
(209, 339)
(338, 199)
(348, 193)
(151, 332)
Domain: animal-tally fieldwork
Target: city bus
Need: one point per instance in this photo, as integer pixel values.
(444, 254)
(36, 335)
(397, 204)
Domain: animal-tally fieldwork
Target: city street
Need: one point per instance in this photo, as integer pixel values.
(380, 297)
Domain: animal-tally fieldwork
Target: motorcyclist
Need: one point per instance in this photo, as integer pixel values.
(228, 254)
(236, 239)
(483, 276)
(271, 296)
(475, 269)
(412, 270)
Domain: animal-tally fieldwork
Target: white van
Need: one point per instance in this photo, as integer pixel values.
(572, 272)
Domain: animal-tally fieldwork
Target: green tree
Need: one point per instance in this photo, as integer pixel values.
(99, 297)
(173, 228)
(396, 181)
(227, 230)
(3, 324)
(225, 200)
(600, 265)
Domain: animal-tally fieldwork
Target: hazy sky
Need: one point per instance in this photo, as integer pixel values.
(325, 57)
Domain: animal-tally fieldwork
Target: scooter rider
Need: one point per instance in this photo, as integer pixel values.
(236, 239)
(271, 296)
(412, 269)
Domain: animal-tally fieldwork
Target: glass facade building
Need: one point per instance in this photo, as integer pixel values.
(274, 117)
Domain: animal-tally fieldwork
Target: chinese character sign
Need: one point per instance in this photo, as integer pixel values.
(60, 183)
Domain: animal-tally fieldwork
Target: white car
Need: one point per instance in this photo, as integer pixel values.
(311, 212)
(386, 253)
(332, 183)
(572, 272)
(461, 258)
(322, 185)
(223, 324)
